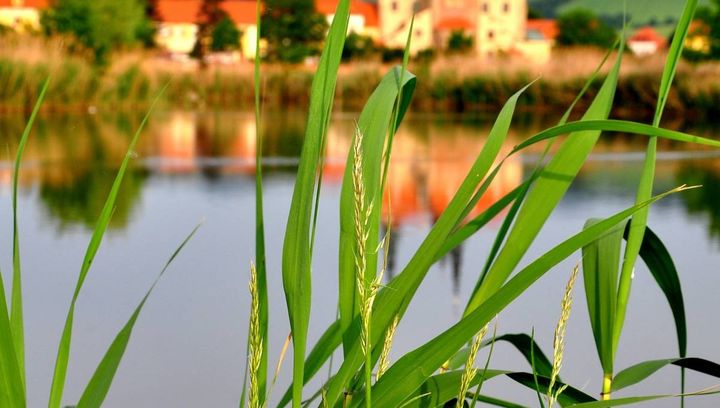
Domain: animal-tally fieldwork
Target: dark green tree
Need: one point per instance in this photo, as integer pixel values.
(225, 36)
(99, 25)
(583, 27)
(708, 15)
(209, 15)
(294, 30)
(358, 47)
(459, 43)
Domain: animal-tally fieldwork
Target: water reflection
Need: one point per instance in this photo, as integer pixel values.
(72, 160)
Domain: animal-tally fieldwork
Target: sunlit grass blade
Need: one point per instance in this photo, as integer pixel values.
(12, 390)
(641, 371)
(62, 359)
(644, 191)
(297, 256)
(660, 264)
(373, 123)
(394, 299)
(408, 373)
(260, 263)
(601, 267)
(16, 303)
(551, 186)
(99, 385)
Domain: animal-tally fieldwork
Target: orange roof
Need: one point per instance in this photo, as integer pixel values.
(648, 34)
(38, 4)
(186, 11)
(367, 10)
(546, 27)
(454, 23)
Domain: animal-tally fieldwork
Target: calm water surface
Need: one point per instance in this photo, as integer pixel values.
(188, 346)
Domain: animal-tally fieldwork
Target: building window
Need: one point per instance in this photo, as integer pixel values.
(485, 7)
(491, 34)
(394, 5)
(506, 7)
(418, 33)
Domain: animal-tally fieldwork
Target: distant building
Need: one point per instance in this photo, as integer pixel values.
(177, 28)
(540, 37)
(364, 18)
(21, 15)
(646, 41)
(495, 25)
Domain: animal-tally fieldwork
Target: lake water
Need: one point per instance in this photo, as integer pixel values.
(188, 346)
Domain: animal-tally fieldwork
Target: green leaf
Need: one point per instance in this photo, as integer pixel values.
(410, 372)
(570, 395)
(12, 390)
(99, 385)
(61, 362)
(395, 297)
(441, 388)
(661, 266)
(16, 303)
(601, 267)
(297, 256)
(375, 119)
(552, 184)
(644, 191)
(641, 371)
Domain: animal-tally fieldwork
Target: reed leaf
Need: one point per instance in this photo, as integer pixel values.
(16, 303)
(63, 355)
(408, 373)
(394, 299)
(553, 182)
(641, 371)
(99, 385)
(639, 221)
(569, 396)
(297, 256)
(12, 392)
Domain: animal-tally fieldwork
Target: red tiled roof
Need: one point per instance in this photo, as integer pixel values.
(454, 23)
(367, 10)
(38, 4)
(186, 11)
(547, 27)
(648, 34)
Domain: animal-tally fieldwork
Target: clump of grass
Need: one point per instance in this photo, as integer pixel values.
(256, 344)
(470, 370)
(559, 339)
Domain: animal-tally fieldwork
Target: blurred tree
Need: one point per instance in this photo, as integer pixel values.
(709, 25)
(459, 42)
(209, 15)
(225, 36)
(98, 25)
(583, 27)
(294, 30)
(358, 47)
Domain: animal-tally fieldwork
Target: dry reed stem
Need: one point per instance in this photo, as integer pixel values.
(559, 339)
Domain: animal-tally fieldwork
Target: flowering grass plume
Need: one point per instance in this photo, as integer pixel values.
(559, 340)
(256, 346)
(470, 370)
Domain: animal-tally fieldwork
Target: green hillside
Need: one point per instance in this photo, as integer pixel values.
(660, 13)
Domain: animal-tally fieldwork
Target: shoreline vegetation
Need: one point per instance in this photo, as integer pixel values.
(459, 84)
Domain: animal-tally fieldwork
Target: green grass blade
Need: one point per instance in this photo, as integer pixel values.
(99, 385)
(569, 396)
(375, 119)
(660, 264)
(326, 345)
(641, 371)
(394, 299)
(61, 362)
(635, 400)
(12, 391)
(639, 221)
(16, 303)
(601, 267)
(441, 388)
(296, 258)
(410, 371)
(260, 263)
(554, 181)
